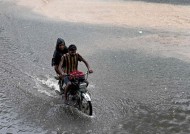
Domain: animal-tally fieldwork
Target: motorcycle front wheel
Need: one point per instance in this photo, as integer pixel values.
(86, 107)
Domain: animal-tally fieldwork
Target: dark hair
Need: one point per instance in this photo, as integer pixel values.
(59, 42)
(72, 47)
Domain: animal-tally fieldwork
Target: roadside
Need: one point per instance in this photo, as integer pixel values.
(116, 13)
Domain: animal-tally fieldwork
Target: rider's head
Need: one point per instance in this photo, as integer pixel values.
(60, 45)
(72, 49)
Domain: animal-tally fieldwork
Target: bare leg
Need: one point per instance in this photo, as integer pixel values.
(66, 91)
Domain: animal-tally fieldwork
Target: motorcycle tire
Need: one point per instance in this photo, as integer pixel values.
(86, 107)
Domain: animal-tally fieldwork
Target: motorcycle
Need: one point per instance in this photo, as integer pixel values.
(78, 95)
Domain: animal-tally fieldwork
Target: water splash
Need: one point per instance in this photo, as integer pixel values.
(46, 85)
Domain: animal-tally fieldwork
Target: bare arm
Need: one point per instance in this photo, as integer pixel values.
(87, 65)
(60, 71)
(56, 69)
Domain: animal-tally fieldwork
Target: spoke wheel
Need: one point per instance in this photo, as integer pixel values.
(86, 107)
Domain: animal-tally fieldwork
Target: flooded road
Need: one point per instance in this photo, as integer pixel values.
(140, 84)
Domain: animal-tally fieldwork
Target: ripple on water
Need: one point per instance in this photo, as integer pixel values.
(175, 118)
(7, 115)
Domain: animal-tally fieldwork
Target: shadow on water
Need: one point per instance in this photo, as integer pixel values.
(175, 2)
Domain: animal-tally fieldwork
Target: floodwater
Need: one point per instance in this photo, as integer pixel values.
(141, 79)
